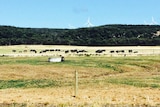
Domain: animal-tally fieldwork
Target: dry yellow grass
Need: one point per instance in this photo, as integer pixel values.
(142, 50)
(109, 94)
(12, 72)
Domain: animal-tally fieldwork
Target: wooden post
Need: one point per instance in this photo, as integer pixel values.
(76, 83)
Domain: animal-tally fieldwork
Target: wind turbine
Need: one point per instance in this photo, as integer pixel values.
(88, 23)
(153, 22)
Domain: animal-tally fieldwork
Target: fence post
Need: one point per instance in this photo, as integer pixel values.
(76, 83)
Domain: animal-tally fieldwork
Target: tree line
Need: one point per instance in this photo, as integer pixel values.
(107, 35)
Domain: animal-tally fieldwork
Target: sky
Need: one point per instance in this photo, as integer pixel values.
(76, 13)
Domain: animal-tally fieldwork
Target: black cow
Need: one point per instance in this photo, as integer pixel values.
(13, 50)
(111, 51)
(67, 51)
(33, 50)
(100, 51)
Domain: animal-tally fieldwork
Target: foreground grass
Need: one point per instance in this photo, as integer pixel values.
(103, 81)
(133, 71)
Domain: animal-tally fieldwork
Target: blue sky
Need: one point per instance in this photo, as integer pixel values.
(75, 13)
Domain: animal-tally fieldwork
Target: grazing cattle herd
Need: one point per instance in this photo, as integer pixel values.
(77, 51)
(80, 52)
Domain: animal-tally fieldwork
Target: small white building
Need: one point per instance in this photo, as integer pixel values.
(56, 59)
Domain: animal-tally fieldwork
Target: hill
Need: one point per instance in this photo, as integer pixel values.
(107, 35)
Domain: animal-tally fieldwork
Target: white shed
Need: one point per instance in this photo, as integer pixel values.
(56, 59)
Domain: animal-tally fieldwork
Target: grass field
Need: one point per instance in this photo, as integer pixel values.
(102, 81)
(24, 50)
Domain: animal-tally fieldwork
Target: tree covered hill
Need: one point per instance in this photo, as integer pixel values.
(107, 35)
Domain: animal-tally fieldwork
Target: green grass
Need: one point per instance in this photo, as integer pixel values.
(105, 62)
(43, 83)
(23, 60)
(40, 83)
(138, 82)
(33, 83)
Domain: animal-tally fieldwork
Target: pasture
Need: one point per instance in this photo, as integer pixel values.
(71, 51)
(103, 80)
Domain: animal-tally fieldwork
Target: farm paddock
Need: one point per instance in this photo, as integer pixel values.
(103, 81)
(70, 51)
